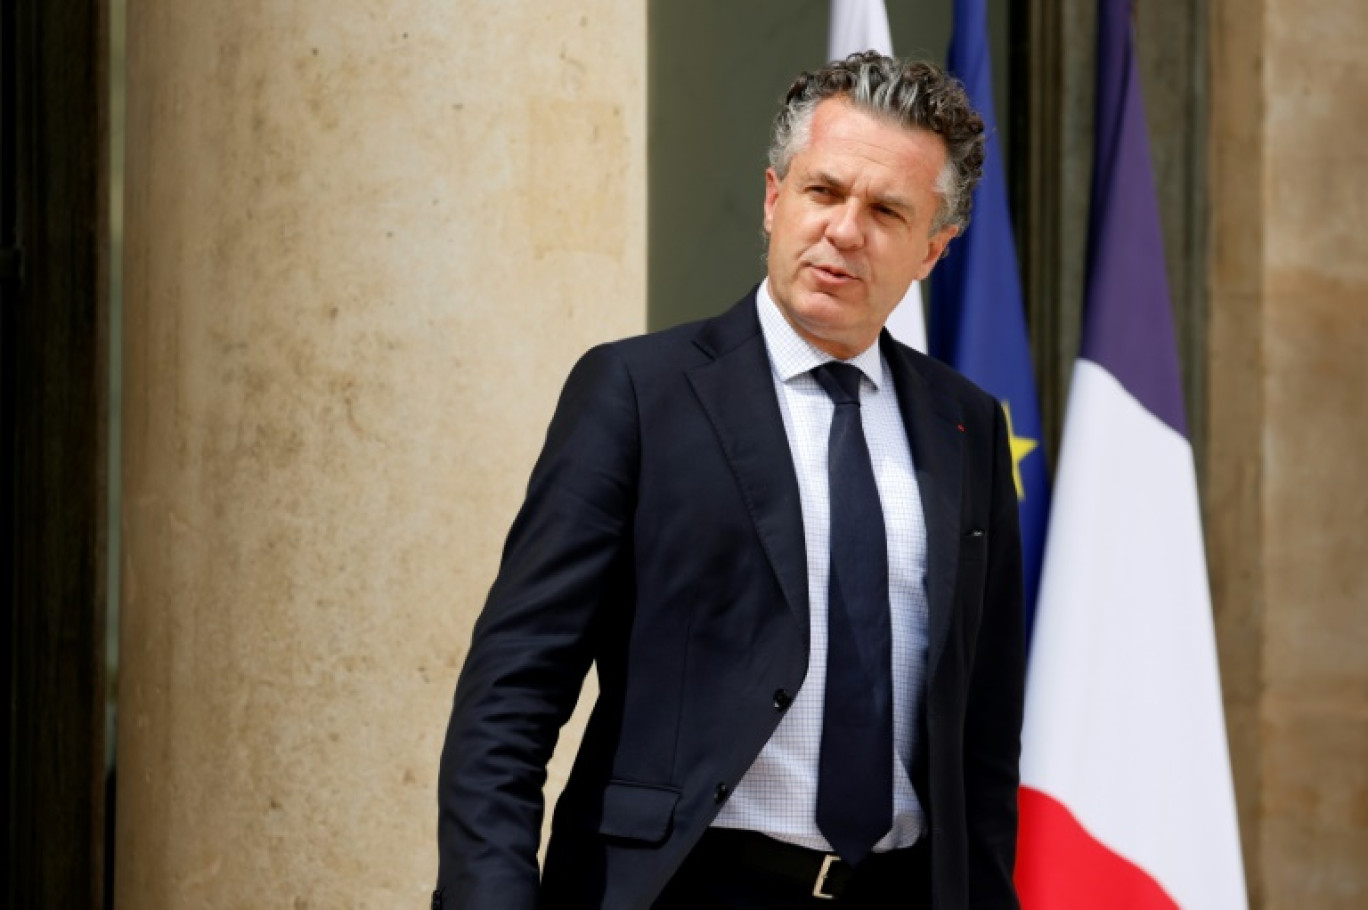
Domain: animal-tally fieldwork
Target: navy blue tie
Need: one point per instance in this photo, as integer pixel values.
(855, 781)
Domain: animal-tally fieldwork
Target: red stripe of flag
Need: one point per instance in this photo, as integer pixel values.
(1060, 866)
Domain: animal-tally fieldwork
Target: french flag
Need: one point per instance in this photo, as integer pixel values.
(1126, 795)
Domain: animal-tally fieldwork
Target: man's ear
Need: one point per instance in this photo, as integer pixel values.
(772, 185)
(935, 249)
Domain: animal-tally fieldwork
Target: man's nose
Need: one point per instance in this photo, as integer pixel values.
(845, 229)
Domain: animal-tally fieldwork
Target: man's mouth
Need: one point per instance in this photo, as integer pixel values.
(832, 272)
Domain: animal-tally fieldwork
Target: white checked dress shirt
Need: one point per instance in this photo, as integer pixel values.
(778, 795)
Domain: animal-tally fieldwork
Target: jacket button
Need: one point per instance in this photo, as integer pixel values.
(782, 699)
(721, 793)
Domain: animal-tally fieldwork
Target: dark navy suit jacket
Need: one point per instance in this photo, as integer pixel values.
(662, 540)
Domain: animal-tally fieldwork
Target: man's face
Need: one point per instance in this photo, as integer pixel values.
(850, 225)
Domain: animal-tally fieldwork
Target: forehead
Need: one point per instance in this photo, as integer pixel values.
(852, 144)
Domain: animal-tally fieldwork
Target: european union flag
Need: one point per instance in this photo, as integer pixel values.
(978, 321)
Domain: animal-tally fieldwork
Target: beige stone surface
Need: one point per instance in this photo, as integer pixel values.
(1315, 699)
(1317, 85)
(1315, 711)
(1318, 502)
(365, 241)
(1316, 824)
(1289, 399)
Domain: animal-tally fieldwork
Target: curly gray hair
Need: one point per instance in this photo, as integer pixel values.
(917, 95)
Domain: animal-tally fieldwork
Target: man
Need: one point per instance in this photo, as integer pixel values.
(800, 582)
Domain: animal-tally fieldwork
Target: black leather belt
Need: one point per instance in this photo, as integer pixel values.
(823, 875)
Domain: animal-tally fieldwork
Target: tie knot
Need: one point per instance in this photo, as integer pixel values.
(840, 380)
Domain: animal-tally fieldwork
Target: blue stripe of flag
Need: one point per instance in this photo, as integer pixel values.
(1127, 323)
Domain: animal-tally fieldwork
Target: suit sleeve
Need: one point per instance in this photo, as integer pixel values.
(996, 685)
(535, 640)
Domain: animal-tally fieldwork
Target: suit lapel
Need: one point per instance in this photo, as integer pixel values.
(736, 390)
(933, 424)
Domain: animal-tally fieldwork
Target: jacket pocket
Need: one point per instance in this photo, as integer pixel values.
(637, 811)
(973, 572)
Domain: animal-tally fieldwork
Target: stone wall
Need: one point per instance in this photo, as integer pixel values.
(366, 239)
(1287, 490)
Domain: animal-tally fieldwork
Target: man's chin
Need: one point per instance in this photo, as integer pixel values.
(834, 311)
(832, 328)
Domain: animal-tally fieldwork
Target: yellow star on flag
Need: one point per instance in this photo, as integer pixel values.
(1021, 446)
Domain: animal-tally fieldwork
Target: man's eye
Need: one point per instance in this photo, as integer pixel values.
(822, 192)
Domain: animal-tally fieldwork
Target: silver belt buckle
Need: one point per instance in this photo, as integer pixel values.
(822, 877)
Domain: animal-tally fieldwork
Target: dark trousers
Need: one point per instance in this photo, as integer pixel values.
(742, 870)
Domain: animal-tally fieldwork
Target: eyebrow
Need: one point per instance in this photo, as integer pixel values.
(896, 202)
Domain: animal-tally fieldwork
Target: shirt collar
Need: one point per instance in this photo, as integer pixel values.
(792, 354)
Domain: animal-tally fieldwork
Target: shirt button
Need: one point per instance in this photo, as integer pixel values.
(782, 699)
(721, 793)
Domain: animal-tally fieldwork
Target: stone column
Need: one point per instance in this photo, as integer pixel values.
(366, 239)
(1288, 494)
